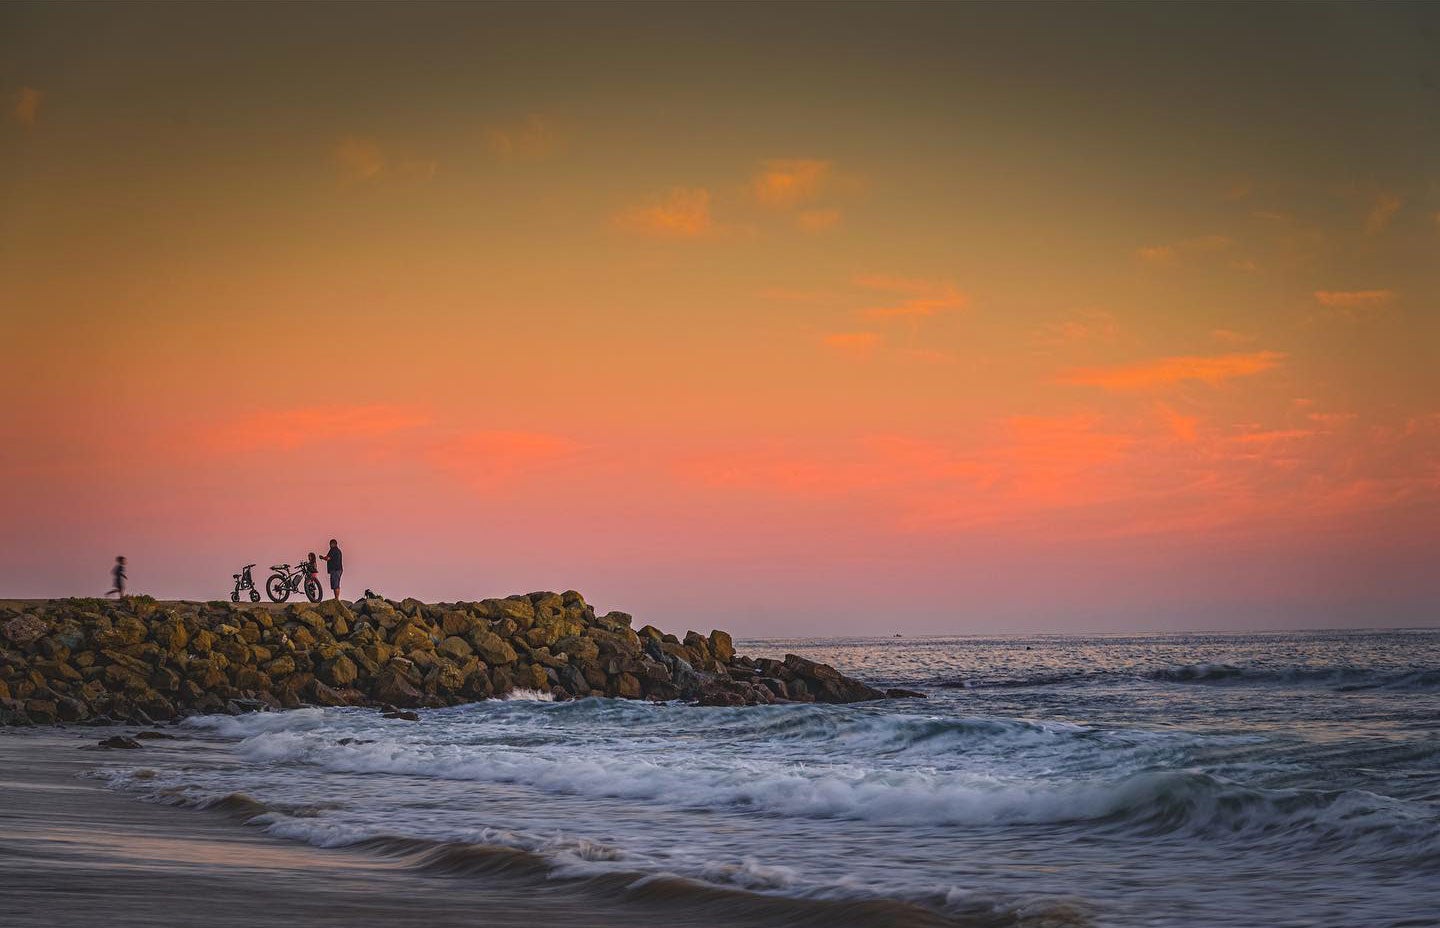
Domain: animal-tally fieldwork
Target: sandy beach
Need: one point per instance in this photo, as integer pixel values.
(75, 853)
(72, 849)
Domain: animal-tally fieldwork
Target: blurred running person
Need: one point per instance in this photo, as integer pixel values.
(118, 572)
(335, 563)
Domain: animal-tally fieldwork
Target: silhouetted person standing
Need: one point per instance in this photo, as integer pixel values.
(335, 564)
(118, 572)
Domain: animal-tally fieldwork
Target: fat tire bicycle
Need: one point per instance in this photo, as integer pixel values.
(286, 580)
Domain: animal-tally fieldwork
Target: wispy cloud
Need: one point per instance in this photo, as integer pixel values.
(1175, 252)
(1382, 211)
(1085, 325)
(1087, 475)
(27, 106)
(791, 182)
(919, 297)
(530, 139)
(683, 212)
(853, 344)
(1356, 300)
(803, 189)
(358, 160)
(1147, 375)
(361, 160)
(1184, 428)
(1269, 437)
(491, 458)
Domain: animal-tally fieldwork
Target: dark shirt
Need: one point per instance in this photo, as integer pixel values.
(333, 561)
(119, 572)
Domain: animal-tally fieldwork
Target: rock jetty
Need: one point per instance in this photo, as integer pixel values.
(138, 660)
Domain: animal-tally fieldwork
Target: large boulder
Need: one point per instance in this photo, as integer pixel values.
(455, 648)
(722, 646)
(581, 649)
(339, 672)
(393, 687)
(547, 604)
(171, 635)
(456, 622)
(492, 649)
(516, 608)
(827, 684)
(412, 636)
(627, 686)
(128, 630)
(532, 677)
(23, 629)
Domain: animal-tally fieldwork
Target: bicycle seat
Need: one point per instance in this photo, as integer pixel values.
(279, 566)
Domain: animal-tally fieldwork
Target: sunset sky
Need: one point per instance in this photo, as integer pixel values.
(785, 319)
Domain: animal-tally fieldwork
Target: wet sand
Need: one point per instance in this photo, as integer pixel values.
(75, 854)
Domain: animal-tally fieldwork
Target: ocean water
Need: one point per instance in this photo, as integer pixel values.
(1287, 779)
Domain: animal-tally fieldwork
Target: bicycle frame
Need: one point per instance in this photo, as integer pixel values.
(293, 580)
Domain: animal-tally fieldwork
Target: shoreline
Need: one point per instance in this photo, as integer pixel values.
(73, 850)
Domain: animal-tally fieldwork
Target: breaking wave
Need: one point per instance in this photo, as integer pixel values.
(1340, 678)
(1154, 802)
(1069, 782)
(1335, 677)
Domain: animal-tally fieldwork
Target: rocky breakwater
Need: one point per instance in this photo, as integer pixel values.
(138, 660)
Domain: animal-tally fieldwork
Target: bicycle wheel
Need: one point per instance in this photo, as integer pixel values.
(313, 591)
(277, 588)
(254, 596)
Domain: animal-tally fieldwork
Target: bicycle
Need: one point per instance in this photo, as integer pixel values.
(286, 580)
(243, 581)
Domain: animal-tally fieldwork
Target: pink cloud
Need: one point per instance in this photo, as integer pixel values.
(1232, 337)
(683, 212)
(358, 160)
(1162, 372)
(1356, 300)
(1086, 325)
(791, 182)
(1173, 253)
(920, 297)
(1088, 476)
(491, 458)
(1184, 428)
(853, 344)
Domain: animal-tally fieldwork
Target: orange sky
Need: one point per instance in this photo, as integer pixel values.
(789, 319)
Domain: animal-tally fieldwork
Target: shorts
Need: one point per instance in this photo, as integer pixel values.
(335, 579)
